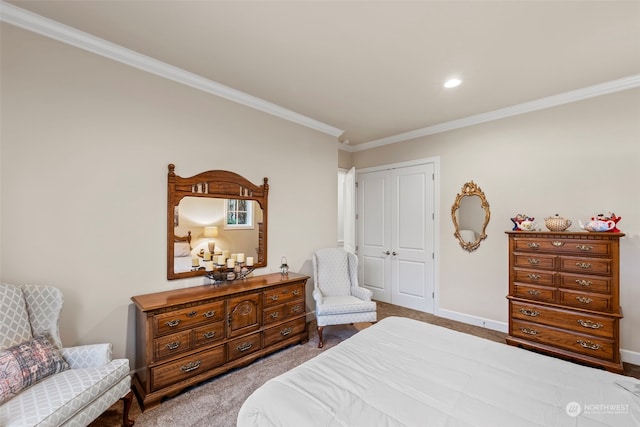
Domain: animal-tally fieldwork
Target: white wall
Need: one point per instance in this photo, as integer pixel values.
(85, 144)
(577, 160)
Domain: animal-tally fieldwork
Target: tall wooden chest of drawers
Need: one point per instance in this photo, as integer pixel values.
(186, 336)
(564, 295)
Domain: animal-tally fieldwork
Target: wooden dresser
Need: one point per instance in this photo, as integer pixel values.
(564, 295)
(188, 335)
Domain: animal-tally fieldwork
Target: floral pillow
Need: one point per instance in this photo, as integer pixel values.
(25, 364)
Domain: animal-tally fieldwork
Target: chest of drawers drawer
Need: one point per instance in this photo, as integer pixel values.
(537, 261)
(284, 331)
(208, 334)
(586, 265)
(539, 293)
(172, 344)
(166, 323)
(582, 282)
(243, 346)
(585, 323)
(587, 345)
(283, 294)
(589, 301)
(186, 367)
(563, 246)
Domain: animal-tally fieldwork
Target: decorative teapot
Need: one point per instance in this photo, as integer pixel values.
(519, 219)
(557, 223)
(527, 225)
(602, 223)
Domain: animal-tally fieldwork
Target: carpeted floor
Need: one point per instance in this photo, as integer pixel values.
(223, 395)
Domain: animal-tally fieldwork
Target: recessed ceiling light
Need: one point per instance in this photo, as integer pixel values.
(452, 83)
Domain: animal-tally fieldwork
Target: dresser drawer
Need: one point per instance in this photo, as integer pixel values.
(588, 301)
(562, 246)
(208, 334)
(598, 347)
(535, 277)
(294, 308)
(585, 323)
(187, 367)
(274, 314)
(172, 321)
(171, 344)
(586, 283)
(284, 331)
(283, 294)
(243, 346)
(539, 293)
(537, 261)
(586, 265)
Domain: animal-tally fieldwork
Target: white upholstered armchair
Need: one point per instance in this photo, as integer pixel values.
(339, 300)
(44, 384)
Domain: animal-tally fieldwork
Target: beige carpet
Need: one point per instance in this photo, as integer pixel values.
(216, 402)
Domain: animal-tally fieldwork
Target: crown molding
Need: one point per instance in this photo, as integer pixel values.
(63, 33)
(606, 88)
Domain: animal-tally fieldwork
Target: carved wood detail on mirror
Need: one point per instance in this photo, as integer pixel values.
(470, 214)
(214, 215)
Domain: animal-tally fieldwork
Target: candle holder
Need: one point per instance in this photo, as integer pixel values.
(221, 273)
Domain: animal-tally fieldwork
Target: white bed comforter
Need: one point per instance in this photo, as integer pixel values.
(403, 372)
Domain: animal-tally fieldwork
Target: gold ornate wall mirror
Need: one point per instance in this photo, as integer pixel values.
(470, 214)
(216, 212)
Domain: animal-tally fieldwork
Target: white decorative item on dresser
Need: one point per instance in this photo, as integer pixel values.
(564, 295)
(186, 336)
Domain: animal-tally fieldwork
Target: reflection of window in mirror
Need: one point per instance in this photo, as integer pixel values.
(239, 214)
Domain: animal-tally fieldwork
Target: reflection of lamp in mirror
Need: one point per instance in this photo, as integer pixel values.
(210, 233)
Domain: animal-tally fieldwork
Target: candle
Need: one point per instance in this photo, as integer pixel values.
(195, 262)
(249, 261)
(208, 266)
(231, 263)
(225, 254)
(234, 257)
(240, 257)
(207, 256)
(221, 260)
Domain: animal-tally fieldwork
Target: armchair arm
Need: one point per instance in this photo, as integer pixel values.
(87, 356)
(317, 296)
(362, 293)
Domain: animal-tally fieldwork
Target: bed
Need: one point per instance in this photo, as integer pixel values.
(182, 256)
(403, 372)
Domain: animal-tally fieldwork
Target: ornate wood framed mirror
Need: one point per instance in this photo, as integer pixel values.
(218, 213)
(470, 214)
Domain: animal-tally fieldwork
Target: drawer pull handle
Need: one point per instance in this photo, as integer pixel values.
(173, 345)
(585, 248)
(590, 324)
(533, 292)
(533, 245)
(192, 313)
(584, 282)
(584, 300)
(296, 308)
(557, 243)
(244, 346)
(191, 366)
(172, 323)
(530, 313)
(209, 335)
(584, 265)
(529, 331)
(286, 331)
(296, 292)
(533, 276)
(275, 315)
(534, 261)
(209, 313)
(589, 345)
(274, 297)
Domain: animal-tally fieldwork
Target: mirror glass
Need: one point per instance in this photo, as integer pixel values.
(470, 214)
(217, 214)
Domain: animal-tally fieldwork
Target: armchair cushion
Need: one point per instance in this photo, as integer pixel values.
(15, 327)
(344, 304)
(28, 363)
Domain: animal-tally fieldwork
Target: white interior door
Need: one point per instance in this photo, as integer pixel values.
(396, 235)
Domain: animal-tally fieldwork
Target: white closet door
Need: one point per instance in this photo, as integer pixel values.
(396, 235)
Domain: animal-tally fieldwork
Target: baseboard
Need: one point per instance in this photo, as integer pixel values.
(473, 320)
(627, 356)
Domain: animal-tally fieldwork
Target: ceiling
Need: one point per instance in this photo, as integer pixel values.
(374, 69)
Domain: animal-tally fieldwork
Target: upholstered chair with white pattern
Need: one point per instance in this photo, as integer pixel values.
(338, 297)
(84, 382)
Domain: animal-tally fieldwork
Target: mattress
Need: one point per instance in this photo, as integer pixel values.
(403, 372)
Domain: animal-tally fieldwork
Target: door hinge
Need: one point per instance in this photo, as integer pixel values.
(356, 184)
(433, 295)
(433, 255)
